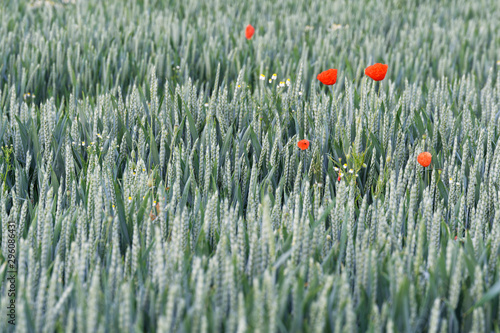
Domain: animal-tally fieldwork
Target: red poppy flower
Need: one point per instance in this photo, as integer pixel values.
(338, 179)
(424, 159)
(303, 144)
(456, 237)
(376, 72)
(249, 31)
(328, 77)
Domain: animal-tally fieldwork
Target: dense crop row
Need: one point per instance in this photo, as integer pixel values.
(150, 165)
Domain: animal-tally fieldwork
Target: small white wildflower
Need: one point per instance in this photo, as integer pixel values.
(274, 77)
(270, 80)
(336, 27)
(300, 93)
(262, 77)
(345, 166)
(129, 199)
(335, 168)
(206, 105)
(288, 83)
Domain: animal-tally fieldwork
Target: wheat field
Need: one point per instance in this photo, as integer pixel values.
(163, 169)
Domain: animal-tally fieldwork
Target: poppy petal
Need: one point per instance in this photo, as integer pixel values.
(424, 159)
(249, 31)
(303, 144)
(377, 72)
(328, 77)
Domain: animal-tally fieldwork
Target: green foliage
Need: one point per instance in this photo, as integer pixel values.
(156, 184)
(6, 162)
